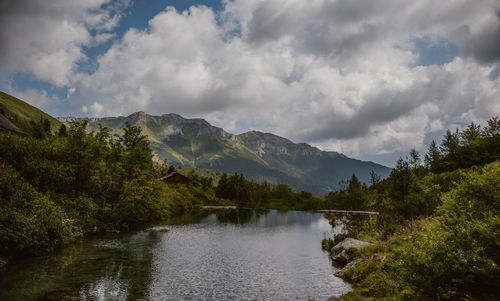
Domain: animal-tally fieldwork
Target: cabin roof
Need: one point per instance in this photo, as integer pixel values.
(174, 175)
(6, 125)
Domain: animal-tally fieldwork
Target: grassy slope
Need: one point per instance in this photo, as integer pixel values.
(16, 107)
(318, 175)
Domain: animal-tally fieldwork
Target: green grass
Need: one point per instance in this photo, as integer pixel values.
(16, 107)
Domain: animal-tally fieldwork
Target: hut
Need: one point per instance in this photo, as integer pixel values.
(7, 127)
(175, 178)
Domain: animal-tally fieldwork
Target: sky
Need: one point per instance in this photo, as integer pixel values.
(371, 79)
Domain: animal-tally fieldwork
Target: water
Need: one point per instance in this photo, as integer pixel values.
(230, 255)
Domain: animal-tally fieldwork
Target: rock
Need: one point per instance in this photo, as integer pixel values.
(340, 273)
(342, 257)
(332, 298)
(339, 253)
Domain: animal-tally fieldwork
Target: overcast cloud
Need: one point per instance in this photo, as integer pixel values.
(340, 74)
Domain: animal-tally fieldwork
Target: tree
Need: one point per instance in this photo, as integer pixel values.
(471, 133)
(46, 126)
(222, 187)
(414, 158)
(374, 178)
(493, 127)
(171, 169)
(433, 157)
(355, 193)
(450, 143)
(63, 132)
(138, 155)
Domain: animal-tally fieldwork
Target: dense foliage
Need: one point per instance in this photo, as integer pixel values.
(56, 186)
(252, 194)
(439, 225)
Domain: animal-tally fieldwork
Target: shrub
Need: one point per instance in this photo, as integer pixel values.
(29, 220)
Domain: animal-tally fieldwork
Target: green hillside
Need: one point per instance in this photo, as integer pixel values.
(20, 112)
(197, 144)
(259, 156)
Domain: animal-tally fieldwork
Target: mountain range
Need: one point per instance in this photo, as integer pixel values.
(259, 156)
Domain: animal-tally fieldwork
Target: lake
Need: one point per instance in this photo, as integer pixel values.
(207, 255)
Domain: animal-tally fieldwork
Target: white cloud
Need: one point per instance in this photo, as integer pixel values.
(340, 74)
(36, 97)
(45, 38)
(96, 109)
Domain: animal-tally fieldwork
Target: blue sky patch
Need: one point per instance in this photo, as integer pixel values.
(434, 52)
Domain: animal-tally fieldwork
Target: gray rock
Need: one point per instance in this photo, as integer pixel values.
(340, 273)
(339, 253)
(350, 243)
(342, 257)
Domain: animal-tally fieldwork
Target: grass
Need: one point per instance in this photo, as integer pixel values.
(14, 106)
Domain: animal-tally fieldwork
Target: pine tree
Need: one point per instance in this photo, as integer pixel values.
(432, 158)
(63, 132)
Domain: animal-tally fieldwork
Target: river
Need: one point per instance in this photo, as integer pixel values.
(221, 255)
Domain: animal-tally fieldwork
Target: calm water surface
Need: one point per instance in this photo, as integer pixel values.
(227, 255)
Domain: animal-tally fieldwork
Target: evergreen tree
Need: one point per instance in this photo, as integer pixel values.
(222, 187)
(171, 169)
(471, 133)
(414, 158)
(355, 193)
(493, 127)
(432, 158)
(63, 132)
(46, 126)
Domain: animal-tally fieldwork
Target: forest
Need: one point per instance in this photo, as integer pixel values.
(438, 222)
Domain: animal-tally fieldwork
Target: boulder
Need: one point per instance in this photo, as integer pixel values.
(340, 273)
(339, 252)
(350, 265)
(342, 257)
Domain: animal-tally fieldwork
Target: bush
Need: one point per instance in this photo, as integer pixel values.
(458, 256)
(29, 220)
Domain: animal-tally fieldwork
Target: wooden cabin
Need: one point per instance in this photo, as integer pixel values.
(175, 178)
(7, 127)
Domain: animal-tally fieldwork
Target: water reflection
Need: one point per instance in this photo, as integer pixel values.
(207, 255)
(114, 267)
(239, 216)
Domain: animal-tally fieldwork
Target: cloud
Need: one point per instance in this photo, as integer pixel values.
(483, 42)
(37, 97)
(96, 108)
(45, 38)
(340, 74)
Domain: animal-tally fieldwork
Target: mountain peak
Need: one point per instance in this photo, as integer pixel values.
(258, 155)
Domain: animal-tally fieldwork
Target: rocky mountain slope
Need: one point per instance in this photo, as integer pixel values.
(259, 156)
